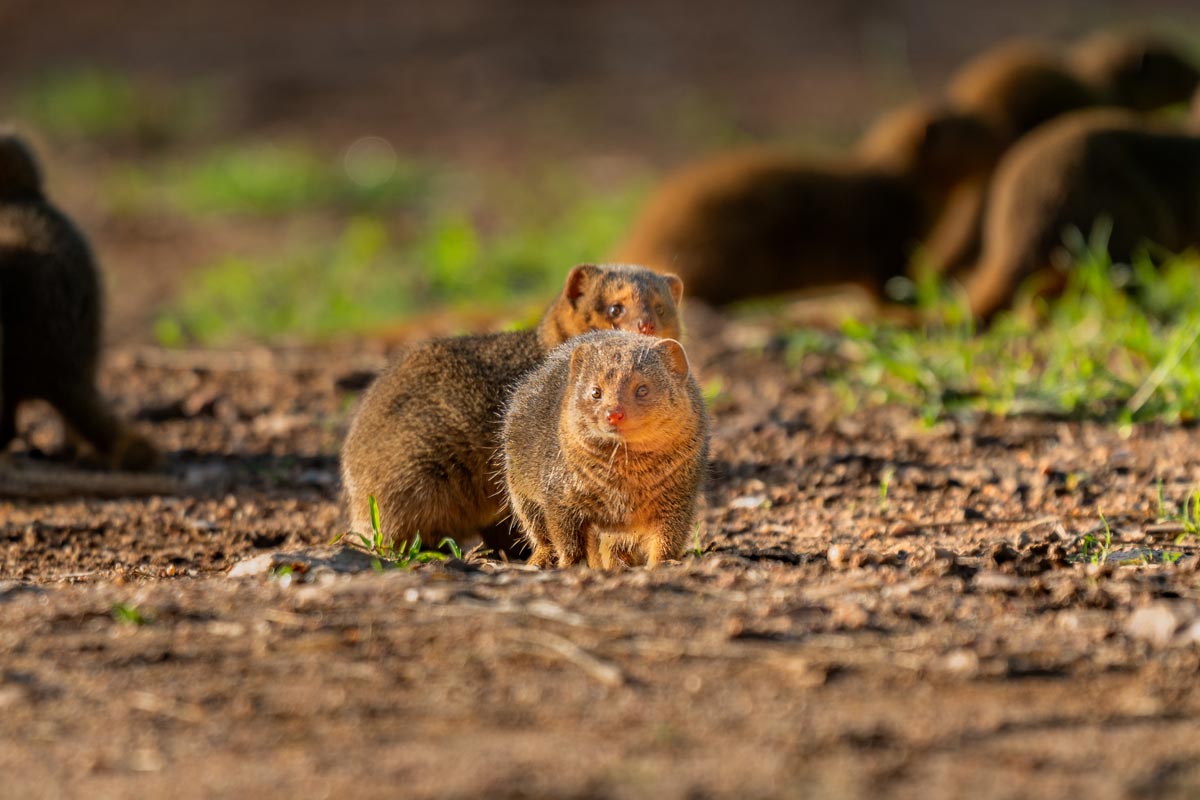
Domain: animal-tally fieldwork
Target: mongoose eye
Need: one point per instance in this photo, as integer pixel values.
(596, 393)
(642, 390)
(660, 309)
(616, 310)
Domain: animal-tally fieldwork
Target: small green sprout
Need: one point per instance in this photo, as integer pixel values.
(128, 614)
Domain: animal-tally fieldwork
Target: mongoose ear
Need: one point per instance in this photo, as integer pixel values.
(578, 356)
(674, 357)
(578, 279)
(675, 284)
(20, 173)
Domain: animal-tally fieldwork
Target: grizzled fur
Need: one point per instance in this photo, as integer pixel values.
(757, 223)
(1103, 163)
(609, 436)
(1021, 85)
(425, 435)
(50, 316)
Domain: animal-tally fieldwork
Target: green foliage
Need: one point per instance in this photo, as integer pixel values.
(367, 276)
(282, 178)
(110, 106)
(1111, 348)
(1187, 515)
(402, 554)
(265, 179)
(128, 614)
(1092, 550)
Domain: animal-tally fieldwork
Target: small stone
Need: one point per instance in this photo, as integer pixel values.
(749, 501)
(990, 581)
(1158, 622)
(838, 556)
(962, 662)
(253, 567)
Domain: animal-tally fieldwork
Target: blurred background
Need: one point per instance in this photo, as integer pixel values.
(255, 170)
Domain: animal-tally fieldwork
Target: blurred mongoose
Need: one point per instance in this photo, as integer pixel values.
(1142, 177)
(50, 316)
(1020, 85)
(608, 437)
(424, 439)
(758, 223)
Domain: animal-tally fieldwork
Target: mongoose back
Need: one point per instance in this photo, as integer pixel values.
(757, 223)
(50, 316)
(609, 436)
(425, 435)
(1141, 73)
(1071, 172)
(1021, 85)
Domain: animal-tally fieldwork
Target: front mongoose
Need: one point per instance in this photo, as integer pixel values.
(758, 223)
(424, 438)
(50, 316)
(1023, 84)
(1141, 176)
(609, 437)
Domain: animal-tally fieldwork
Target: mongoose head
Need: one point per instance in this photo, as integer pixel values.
(614, 296)
(1137, 72)
(20, 176)
(630, 390)
(938, 146)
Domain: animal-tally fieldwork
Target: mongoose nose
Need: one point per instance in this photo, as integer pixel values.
(646, 326)
(615, 415)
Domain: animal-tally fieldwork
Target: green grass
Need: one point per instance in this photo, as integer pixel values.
(128, 614)
(402, 554)
(107, 106)
(511, 260)
(1119, 345)
(269, 179)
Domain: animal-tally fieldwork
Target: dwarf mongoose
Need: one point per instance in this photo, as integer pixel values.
(1143, 177)
(1142, 73)
(608, 437)
(758, 223)
(1021, 85)
(50, 316)
(424, 439)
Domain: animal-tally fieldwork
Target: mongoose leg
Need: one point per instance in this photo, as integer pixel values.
(592, 543)
(619, 552)
(543, 556)
(504, 536)
(665, 542)
(571, 544)
(86, 413)
(537, 536)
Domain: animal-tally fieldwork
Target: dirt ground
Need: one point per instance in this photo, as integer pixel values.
(879, 608)
(938, 641)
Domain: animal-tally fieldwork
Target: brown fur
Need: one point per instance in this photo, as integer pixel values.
(586, 454)
(1140, 73)
(1020, 85)
(50, 316)
(757, 223)
(425, 434)
(1070, 172)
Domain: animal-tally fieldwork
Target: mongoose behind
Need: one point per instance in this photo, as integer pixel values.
(425, 436)
(50, 316)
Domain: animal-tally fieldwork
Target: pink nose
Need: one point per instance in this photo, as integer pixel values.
(646, 326)
(615, 415)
